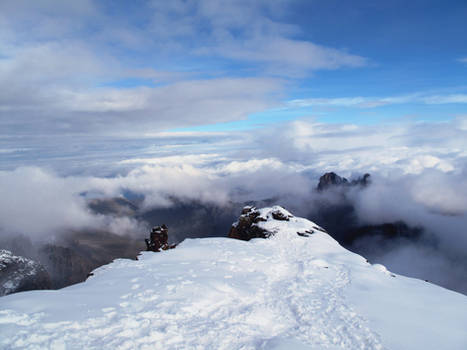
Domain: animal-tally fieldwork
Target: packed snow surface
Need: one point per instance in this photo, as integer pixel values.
(285, 292)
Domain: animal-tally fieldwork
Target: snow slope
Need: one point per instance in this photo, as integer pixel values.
(285, 292)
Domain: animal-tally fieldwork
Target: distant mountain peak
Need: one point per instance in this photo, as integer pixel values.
(331, 179)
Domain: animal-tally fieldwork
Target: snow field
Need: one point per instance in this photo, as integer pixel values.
(286, 292)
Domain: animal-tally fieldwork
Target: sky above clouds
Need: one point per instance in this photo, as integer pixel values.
(99, 88)
(103, 89)
(121, 69)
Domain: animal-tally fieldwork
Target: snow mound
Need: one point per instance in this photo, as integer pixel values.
(285, 292)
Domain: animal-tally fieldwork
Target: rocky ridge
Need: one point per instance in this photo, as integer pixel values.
(18, 274)
(331, 179)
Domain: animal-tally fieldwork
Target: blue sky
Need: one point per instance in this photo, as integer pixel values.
(105, 69)
(409, 48)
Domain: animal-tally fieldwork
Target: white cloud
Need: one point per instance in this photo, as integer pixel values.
(246, 30)
(37, 203)
(440, 99)
(59, 73)
(144, 109)
(427, 161)
(441, 193)
(287, 57)
(252, 166)
(371, 102)
(192, 159)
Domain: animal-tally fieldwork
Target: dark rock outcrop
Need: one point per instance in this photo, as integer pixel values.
(331, 179)
(248, 224)
(246, 227)
(158, 239)
(18, 274)
(280, 216)
(365, 180)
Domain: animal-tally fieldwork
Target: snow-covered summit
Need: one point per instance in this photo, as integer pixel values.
(286, 292)
(267, 222)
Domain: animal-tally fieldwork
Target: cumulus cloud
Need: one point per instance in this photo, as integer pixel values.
(406, 147)
(432, 200)
(35, 203)
(415, 199)
(41, 204)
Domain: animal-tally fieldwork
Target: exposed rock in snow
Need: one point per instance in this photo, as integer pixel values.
(247, 226)
(158, 239)
(19, 274)
(251, 223)
(285, 292)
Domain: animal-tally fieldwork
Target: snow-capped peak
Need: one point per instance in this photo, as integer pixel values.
(269, 221)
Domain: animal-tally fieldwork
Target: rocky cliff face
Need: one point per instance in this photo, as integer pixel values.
(18, 274)
(79, 253)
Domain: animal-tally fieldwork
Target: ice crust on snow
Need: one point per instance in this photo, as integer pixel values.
(285, 292)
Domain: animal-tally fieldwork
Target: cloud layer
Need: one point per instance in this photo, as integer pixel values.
(72, 69)
(431, 158)
(418, 176)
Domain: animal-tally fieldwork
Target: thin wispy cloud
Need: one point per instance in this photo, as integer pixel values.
(372, 102)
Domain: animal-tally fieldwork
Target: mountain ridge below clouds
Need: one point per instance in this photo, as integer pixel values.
(396, 244)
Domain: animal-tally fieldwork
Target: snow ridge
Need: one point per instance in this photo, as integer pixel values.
(285, 292)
